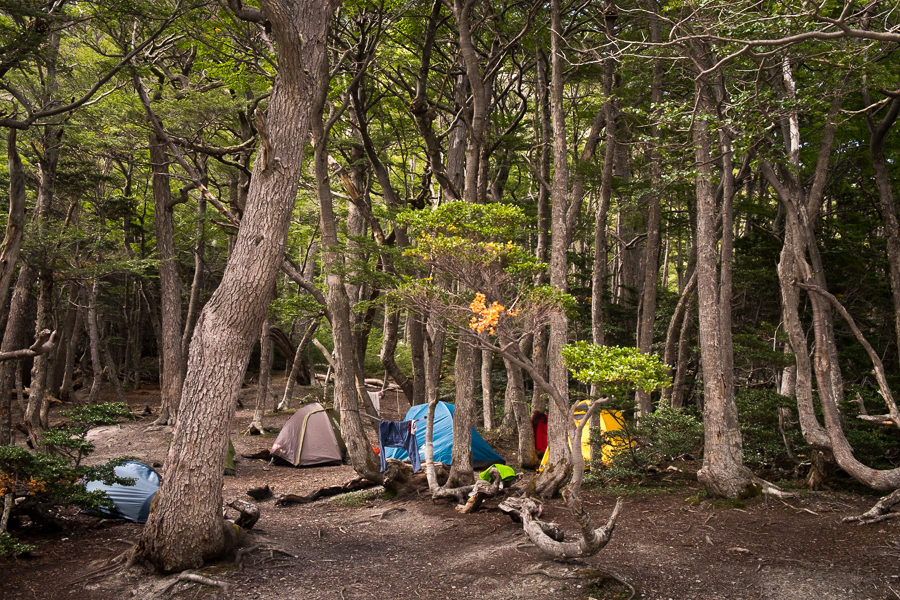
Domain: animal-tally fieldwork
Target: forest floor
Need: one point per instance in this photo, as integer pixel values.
(667, 544)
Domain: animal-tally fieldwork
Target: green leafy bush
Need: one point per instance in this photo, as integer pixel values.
(39, 482)
(666, 435)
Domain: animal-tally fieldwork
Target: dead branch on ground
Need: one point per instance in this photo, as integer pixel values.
(883, 510)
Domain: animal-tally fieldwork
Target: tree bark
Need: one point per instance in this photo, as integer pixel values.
(559, 464)
(265, 375)
(15, 223)
(722, 472)
(185, 529)
(461, 471)
(487, 390)
(172, 375)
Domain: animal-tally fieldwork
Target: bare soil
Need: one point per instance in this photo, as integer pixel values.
(667, 545)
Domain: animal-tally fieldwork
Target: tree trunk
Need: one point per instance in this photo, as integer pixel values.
(559, 464)
(389, 349)
(38, 400)
(722, 472)
(265, 375)
(15, 223)
(172, 376)
(94, 341)
(186, 526)
(297, 364)
(461, 471)
(515, 390)
(14, 336)
(487, 390)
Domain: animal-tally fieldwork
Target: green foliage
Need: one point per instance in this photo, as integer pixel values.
(56, 477)
(666, 435)
(758, 416)
(615, 370)
(10, 545)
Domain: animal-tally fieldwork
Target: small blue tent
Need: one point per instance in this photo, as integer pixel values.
(482, 454)
(132, 501)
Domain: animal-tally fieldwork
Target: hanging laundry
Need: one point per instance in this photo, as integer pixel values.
(399, 434)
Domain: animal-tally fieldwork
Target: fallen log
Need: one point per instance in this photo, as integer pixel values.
(360, 483)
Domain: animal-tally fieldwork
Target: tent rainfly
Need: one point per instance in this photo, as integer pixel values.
(131, 502)
(310, 437)
(482, 454)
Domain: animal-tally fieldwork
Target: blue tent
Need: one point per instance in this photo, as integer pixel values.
(132, 501)
(482, 454)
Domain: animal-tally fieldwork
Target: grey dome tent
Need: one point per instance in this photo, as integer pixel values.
(310, 437)
(131, 502)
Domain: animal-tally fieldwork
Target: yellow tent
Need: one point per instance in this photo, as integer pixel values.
(610, 420)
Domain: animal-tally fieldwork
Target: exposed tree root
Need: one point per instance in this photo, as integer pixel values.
(194, 578)
(588, 543)
(882, 511)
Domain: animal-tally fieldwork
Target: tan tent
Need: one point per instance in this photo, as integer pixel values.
(310, 437)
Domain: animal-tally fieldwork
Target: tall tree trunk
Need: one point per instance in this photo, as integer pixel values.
(559, 464)
(15, 222)
(186, 526)
(647, 303)
(877, 135)
(94, 341)
(487, 390)
(722, 472)
(172, 376)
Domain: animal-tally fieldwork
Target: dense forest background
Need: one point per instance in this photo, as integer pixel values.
(710, 182)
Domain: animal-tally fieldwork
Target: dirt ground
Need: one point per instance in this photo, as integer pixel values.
(665, 545)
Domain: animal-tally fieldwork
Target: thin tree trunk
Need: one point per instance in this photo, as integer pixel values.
(487, 390)
(297, 364)
(15, 223)
(38, 401)
(265, 375)
(515, 389)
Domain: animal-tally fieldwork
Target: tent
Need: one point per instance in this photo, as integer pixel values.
(610, 420)
(131, 502)
(482, 454)
(310, 437)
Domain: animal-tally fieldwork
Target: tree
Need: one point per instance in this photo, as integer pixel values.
(186, 528)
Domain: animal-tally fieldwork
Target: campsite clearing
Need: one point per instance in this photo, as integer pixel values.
(667, 544)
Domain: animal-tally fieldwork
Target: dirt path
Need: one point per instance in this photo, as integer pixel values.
(664, 546)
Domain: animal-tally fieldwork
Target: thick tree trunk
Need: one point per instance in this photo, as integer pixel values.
(14, 336)
(461, 471)
(186, 526)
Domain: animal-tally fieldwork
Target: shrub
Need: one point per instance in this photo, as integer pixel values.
(666, 435)
(38, 482)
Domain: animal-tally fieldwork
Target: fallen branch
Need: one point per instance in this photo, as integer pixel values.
(353, 485)
(882, 511)
(481, 491)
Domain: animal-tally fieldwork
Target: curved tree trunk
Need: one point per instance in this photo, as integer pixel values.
(186, 526)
